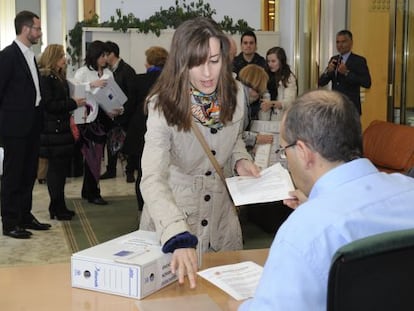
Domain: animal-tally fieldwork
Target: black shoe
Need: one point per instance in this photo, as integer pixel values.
(107, 175)
(60, 216)
(97, 201)
(17, 233)
(34, 224)
(130, 178)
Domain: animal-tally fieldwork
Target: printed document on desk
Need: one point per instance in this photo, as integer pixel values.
(238, 280)
(110, 96)
(273, 184)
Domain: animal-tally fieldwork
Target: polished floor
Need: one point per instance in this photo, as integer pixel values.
(50, 246)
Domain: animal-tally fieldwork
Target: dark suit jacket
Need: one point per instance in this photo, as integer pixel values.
(17, 93)
(349, 85)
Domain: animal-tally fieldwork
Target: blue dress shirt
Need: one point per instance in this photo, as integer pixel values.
(351, 201)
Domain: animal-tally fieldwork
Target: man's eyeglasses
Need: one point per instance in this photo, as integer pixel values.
(282, 150)
(34, 27)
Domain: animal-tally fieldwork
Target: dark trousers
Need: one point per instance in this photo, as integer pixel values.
(57, 172)
(90, 187)
(19, 174)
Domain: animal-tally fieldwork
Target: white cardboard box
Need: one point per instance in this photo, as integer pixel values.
(110, 96)
(132, 265)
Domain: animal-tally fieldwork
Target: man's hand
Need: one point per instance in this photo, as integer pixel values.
(184, 262)
(298, 198)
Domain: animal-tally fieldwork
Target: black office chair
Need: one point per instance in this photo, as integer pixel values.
(374, 274)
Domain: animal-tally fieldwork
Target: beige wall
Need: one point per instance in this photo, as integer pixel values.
(370, 29)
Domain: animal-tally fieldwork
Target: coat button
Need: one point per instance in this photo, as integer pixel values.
(204, 222)
(213, 130)
(207, 197)
(208, 173)
(213, 152)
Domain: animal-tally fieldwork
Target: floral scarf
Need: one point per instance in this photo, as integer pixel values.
(206, 108)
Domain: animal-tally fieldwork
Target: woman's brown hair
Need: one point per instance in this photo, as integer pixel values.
(190, 48)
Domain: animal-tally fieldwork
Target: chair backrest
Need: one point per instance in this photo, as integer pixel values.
(374, 273)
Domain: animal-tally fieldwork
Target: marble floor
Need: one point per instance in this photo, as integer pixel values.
(50, 246)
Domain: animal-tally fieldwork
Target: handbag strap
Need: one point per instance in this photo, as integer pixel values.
(207, 150)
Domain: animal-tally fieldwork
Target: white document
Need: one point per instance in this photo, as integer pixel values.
(110, 96)
(238, 280)
(273, 184)
(262, 155)
(265, 126)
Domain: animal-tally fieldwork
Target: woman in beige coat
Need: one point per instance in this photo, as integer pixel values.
(186, 202)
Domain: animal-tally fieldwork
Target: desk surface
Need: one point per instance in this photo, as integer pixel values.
(48, 287)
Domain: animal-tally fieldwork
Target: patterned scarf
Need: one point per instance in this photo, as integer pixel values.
(206, 108)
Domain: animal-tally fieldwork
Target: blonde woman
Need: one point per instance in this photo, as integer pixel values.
(57, 142)
(254, 79)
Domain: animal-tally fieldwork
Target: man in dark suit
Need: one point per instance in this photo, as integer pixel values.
(347, 71)
(124, 76)
(20, 126)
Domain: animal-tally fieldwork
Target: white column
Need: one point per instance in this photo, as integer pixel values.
(55, 13)
(7, 14)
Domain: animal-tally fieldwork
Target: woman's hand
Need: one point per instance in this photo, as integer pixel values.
(80, 101)
(298, 198)
(184, 261)
(115, 112)
(246, 167)
(98, 83)
(265, 105)
(262, 139)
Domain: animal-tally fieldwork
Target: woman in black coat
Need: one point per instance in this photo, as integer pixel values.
(57, 141)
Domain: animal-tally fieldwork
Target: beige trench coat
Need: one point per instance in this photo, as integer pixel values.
(179, 185)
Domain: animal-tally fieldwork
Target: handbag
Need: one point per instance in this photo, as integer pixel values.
(211, 157)
(116, 139)
(74, 128)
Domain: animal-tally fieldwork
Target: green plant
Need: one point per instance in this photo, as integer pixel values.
(162, 19)
(74, 49)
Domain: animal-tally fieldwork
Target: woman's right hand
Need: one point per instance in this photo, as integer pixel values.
(80, 101)
(265, 105)
(262, 139)
(98, 83)
(184, 261)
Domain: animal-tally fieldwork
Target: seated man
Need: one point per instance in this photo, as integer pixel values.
(348, 199)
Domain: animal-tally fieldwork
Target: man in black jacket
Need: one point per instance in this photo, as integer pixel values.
(124, 76)
(20, 126)
(347, 71)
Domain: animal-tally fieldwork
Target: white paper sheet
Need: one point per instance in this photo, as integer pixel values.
(238, 280)
(273, 184)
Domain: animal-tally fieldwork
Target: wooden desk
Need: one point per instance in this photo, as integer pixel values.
(48, 287)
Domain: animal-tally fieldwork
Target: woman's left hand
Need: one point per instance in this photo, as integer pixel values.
(246, 167)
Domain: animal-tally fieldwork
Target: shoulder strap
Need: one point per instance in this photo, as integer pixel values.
(207, 150)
